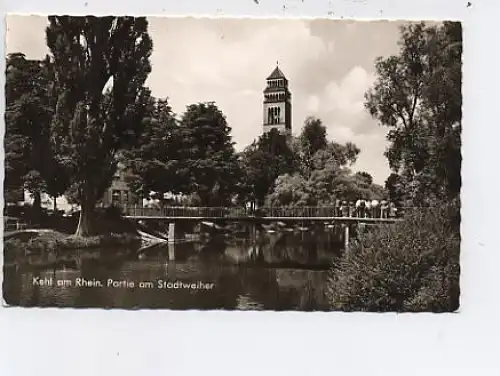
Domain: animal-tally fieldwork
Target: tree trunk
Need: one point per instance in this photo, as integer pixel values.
(86, 216)
(36, 210)
(37, 201)
(55, 204)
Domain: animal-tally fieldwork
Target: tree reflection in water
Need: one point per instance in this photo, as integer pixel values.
(281, 271)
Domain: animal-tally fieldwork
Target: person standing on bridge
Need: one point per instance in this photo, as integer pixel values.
(368, 208)
(360, 208)
(384, 207)
(344, 208)
(392, 210)
(375, 209)
(338, 209)
(358, 203)
(352, 209)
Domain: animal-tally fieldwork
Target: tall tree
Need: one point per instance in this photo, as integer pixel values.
(275, 143)
(312, 139)
(208, 154)
(263, 161)
(313, 136)
(417, 95)
(20, 92)
(30, 161)
(100, 67)
(154, 163)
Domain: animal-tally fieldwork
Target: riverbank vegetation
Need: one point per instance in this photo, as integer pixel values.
(54, 241)
(58, 235)
(414, 265)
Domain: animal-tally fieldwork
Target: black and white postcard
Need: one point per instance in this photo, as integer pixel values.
(232, 163)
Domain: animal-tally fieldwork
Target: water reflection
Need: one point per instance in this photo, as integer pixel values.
(281, 271)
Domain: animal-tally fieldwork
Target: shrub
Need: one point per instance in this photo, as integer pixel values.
(410, 266)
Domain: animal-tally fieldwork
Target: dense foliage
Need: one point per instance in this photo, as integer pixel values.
(415, 264)
(306, 170)
(195, 157)
(418, 96)
(154, 163)
(411, 266)
(208, 156)
(30, 162)
(100, 66)
(263, 162)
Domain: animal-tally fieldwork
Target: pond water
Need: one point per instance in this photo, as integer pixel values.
(283, 271)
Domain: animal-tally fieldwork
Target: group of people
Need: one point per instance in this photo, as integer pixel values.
(366, 209)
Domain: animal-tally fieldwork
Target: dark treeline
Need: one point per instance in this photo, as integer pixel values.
(418, 97)
(69, 115)
(196, 158)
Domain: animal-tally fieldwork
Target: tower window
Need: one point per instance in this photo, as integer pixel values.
(273, 115)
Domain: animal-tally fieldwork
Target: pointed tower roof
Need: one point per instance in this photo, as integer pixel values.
(277, 73)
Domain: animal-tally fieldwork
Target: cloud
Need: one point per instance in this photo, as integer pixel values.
(349, 92)
(329, 65)
(344, 100)
(313, 103)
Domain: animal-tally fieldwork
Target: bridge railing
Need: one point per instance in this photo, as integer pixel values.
(331, 211)
(277, 212)
(180, 211)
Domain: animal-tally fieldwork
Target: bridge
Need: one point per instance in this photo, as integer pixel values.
(286, 214)
(344, 216)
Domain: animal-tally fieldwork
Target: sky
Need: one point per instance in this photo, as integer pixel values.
(329, 65)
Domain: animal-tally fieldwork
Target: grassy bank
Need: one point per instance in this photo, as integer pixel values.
(413, 266)
(54, 240)
(57, 242)
(114, 231)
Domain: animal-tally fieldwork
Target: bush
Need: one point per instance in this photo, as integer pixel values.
(411, 266)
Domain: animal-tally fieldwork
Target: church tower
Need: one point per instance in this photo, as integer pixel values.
(277, 103)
